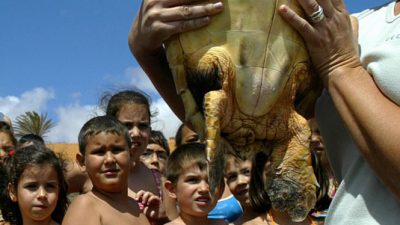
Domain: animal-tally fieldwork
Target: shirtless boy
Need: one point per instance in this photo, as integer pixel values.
(187, 182)
(104, 146)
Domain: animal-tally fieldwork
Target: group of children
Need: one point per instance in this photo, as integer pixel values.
(127, 186)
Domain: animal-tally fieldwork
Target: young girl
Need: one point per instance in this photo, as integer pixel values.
(132, 108)
(36, 191)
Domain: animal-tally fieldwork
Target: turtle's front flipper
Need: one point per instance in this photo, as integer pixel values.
(175, 57)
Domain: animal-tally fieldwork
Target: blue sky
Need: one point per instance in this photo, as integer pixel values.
(58, 57)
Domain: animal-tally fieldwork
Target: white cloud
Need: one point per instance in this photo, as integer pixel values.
(166, 121)
(138, 78)
(32, 100)
(71, 119)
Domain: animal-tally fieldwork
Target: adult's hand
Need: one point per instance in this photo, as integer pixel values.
(330, 41)
(157, 20)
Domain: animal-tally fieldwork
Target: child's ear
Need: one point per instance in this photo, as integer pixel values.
(12, 192)
(80, 159)
(170, 187)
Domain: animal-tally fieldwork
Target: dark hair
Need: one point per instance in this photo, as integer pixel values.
(15, 166)
(321, 173)
(184, 157)
(178, 135)
(157, 137)
(96, 125)
(259, 199)
(34, 138)
(112, 103)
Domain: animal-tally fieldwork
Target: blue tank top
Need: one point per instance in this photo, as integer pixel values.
(228, 209)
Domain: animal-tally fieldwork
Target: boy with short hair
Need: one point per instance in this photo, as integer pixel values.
(104, 146)
(187, 182)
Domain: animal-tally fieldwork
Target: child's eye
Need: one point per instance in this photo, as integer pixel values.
(192, 180)
(231, 177)
(162, 155)
(51, 185)
(143, 126)
(247, 172)
(31, 186)
(117, 150)
(128, 125)
(147, 153)
(98, 152)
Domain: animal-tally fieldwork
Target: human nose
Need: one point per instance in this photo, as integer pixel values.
(108, 157)
(242, 179)
(42, 193)
(135, 131)
(204, 187)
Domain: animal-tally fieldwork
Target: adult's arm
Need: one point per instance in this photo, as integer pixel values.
(156, 21)
(372, 119)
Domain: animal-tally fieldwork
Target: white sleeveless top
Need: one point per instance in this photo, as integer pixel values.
(361, 198)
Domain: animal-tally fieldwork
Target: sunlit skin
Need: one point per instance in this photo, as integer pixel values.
(154, 157)
(37, 194)
(237, 176)
(107, 161)
(136, 118)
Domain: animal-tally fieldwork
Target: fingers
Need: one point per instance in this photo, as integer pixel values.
(297, 22)
(157, 20)
(147, 198)
(182, 12)
(309, 6)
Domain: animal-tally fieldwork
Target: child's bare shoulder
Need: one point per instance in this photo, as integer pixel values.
(83, 206)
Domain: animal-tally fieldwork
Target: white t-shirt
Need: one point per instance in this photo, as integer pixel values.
(361, 198)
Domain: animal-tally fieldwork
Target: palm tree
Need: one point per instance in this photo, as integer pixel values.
(33, 123)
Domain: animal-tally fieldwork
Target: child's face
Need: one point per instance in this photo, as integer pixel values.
(107, 161)
(5, 143)
(136, 118)
(37, 193)
(237, 175)
(193, 193)
(154, 157)
(189, 136)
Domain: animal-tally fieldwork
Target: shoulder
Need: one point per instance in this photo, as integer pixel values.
(84, 200)
(83, 206)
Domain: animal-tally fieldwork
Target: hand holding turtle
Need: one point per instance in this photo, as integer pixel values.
(158, 20)
(328, 34)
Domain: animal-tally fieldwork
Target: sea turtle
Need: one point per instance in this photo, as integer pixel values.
(239, 79)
